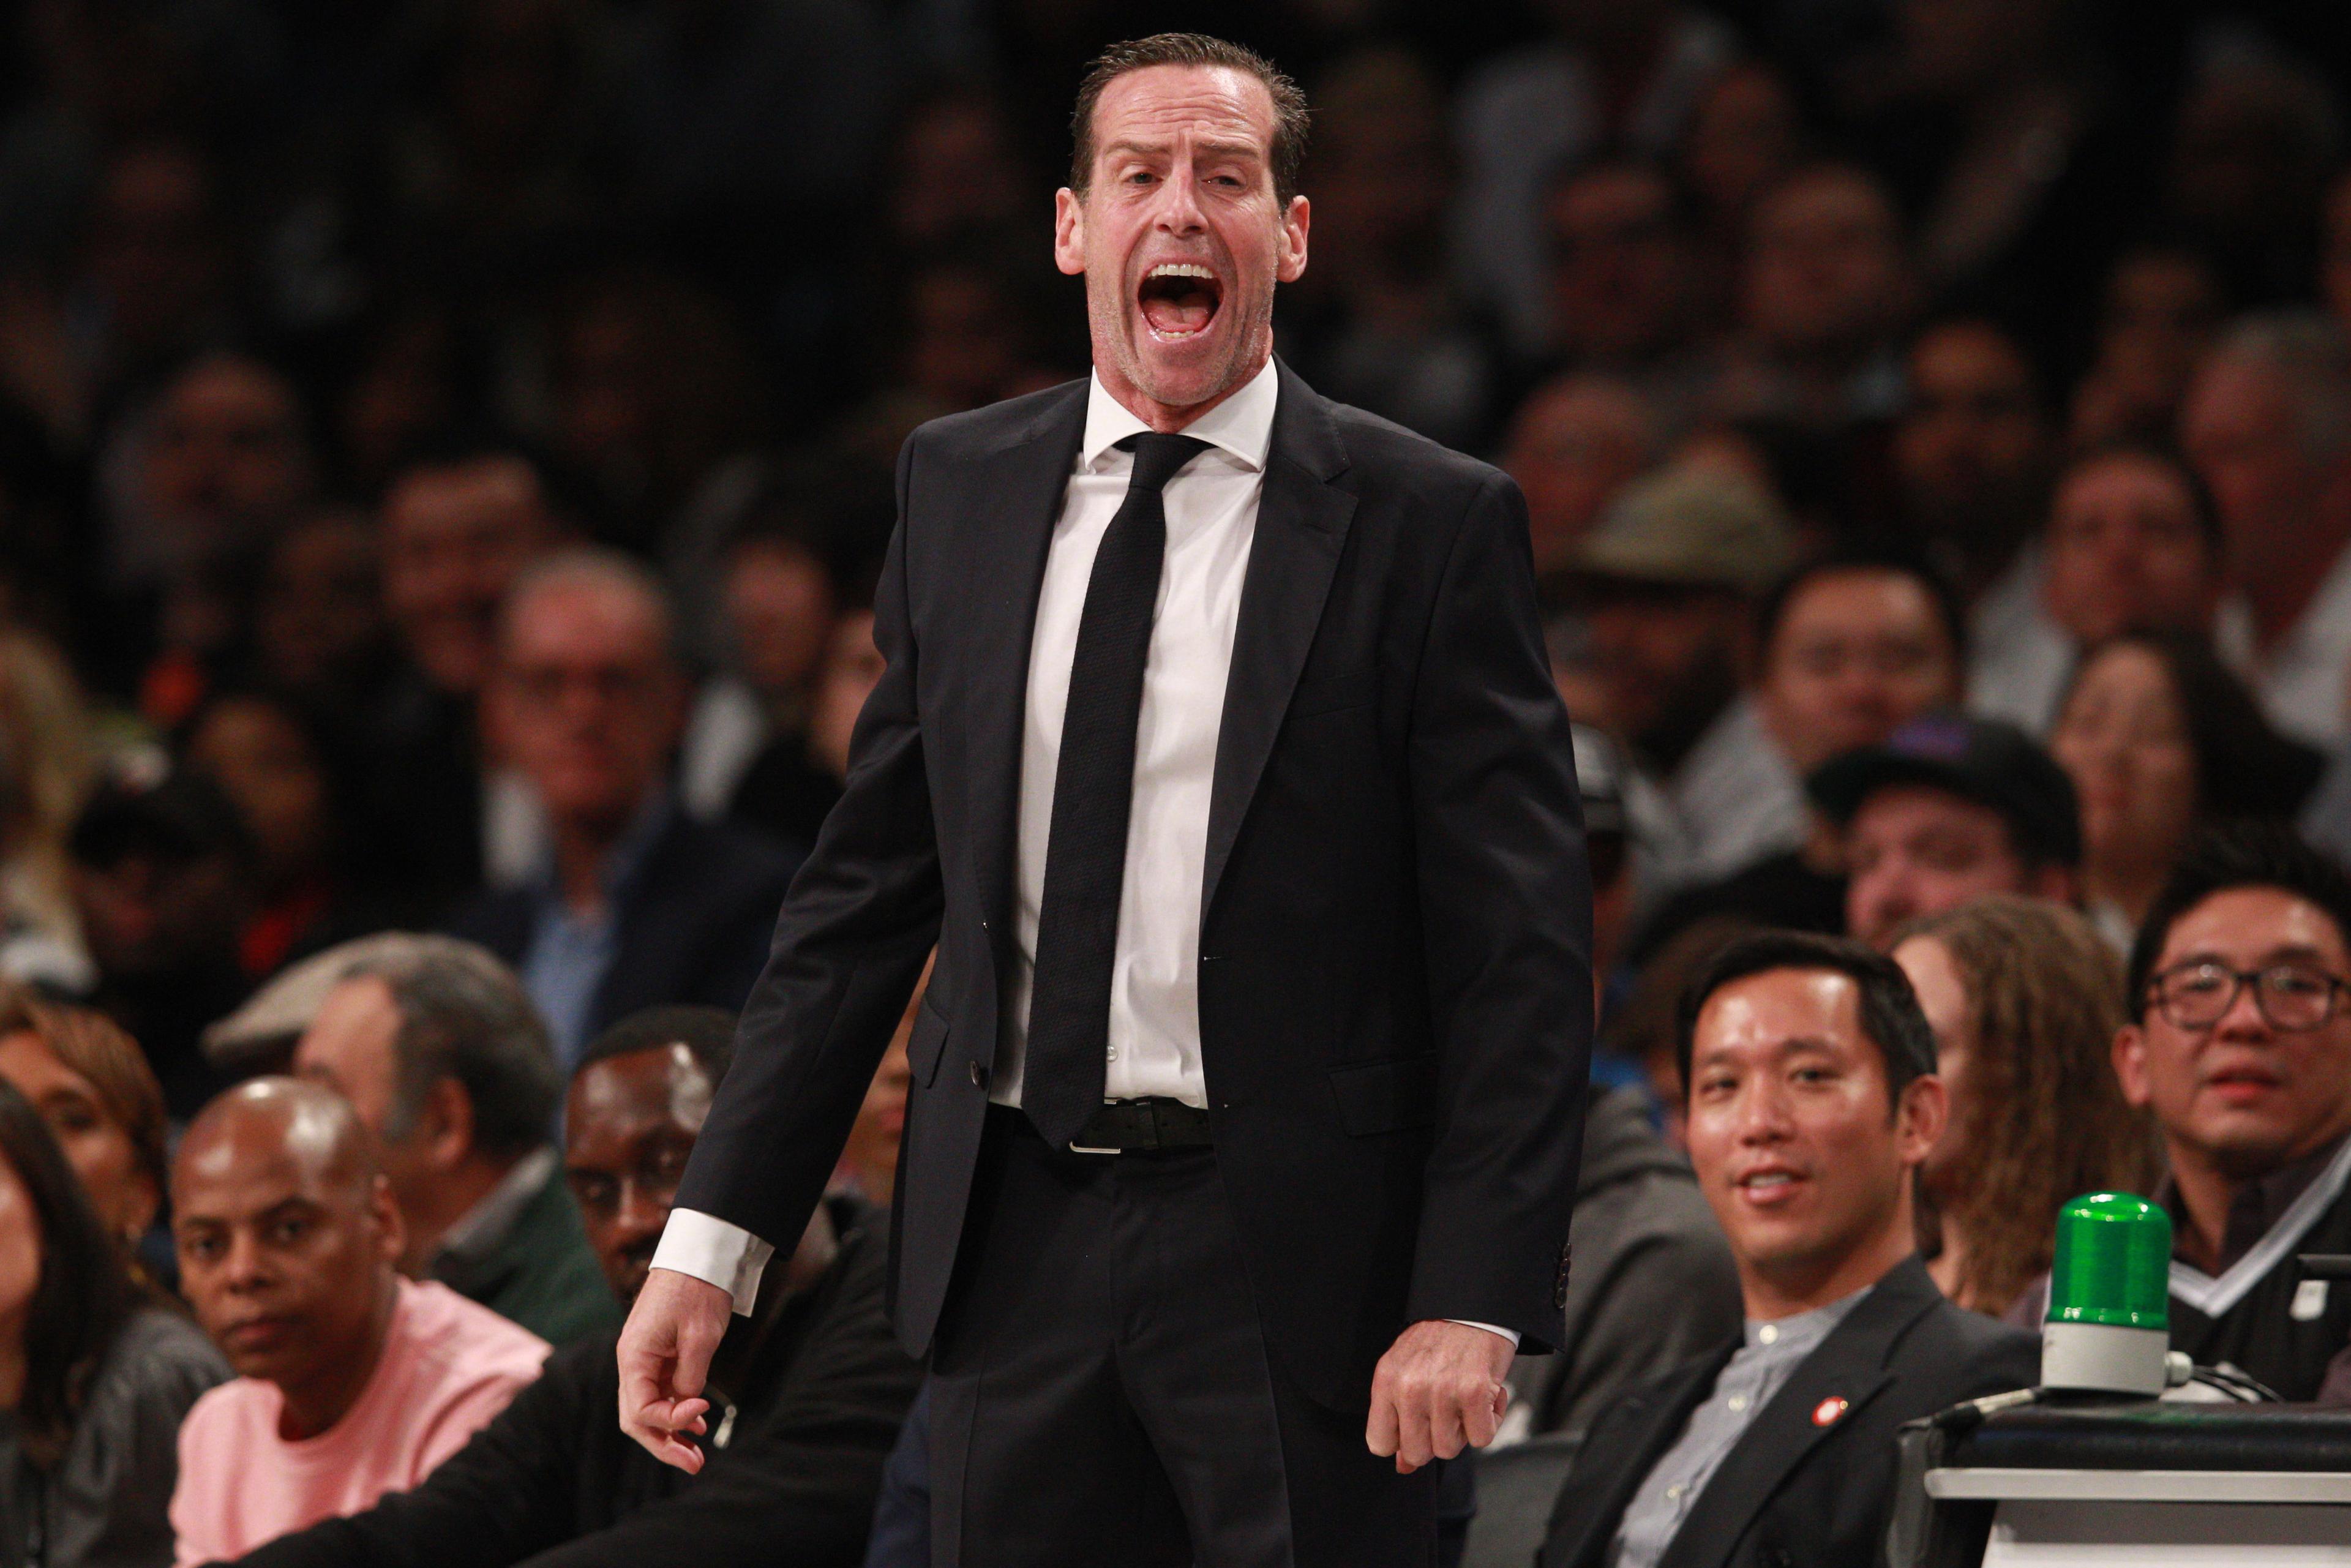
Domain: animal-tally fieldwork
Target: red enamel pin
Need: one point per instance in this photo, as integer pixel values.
(1828, 1410)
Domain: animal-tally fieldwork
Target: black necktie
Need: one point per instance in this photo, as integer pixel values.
(1093, 785)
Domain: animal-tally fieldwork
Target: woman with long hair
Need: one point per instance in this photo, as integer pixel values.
(92, 1083)
(2159, 740)
(94, 1375)
(2024, 999)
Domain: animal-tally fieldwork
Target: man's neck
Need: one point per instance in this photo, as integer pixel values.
(1168, 419)
(1786, 1292)
(2208, 1190)
(313, 1405)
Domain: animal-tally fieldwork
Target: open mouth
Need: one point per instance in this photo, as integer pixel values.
(1768, 1188)
(1179, 299)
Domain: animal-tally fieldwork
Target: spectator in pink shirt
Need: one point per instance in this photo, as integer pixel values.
(354, 1382)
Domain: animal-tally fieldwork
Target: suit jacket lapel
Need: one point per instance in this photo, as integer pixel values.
(1850, 1365)
(1017, 498)
(1601, 1484)
(1301, 527)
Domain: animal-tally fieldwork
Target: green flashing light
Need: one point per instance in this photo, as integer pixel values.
(2113, 1264)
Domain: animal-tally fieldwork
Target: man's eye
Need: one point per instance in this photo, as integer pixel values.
(2295, 983)
(288, 1232)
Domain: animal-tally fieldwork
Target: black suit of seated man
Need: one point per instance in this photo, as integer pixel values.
(812, 1384)
(1811, 1099)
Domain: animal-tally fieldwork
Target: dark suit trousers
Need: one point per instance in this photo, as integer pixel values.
(1101, 1391)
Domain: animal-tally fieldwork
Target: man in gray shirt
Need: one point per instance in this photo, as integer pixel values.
(1811, 1098)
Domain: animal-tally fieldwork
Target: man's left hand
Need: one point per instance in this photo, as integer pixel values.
(1439, 1389)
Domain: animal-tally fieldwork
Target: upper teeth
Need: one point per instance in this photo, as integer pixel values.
(1770, 1178)
(1181, 270)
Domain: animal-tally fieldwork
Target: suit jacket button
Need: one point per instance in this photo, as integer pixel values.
(978, 1076)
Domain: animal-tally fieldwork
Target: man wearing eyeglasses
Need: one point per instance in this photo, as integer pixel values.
(2240, 1048)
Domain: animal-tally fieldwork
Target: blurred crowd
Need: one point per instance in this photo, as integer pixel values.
(445, 454)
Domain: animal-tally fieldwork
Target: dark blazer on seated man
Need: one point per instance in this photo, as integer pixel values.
(1811, 1100)
(818, 1387)
(694, 907)
(1811, 1481)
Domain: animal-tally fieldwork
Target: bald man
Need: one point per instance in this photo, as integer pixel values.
(352, 1381)
(636, 904)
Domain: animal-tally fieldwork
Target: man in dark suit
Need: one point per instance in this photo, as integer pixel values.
(639, 904)
(1813, 1097)
(1225, 769)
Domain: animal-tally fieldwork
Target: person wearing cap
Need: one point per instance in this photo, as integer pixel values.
(1951, 808)
(1666, 584)
(1811, 1101)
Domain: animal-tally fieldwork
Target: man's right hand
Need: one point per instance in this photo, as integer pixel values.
(664, 1358)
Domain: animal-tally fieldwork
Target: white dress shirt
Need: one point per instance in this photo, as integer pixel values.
(2302, 681)
(1153, 1046)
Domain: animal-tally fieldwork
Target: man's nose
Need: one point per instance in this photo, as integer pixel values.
(1178, 211)
(643, 1211)
(246, 1267)
(1762, 1112)
(2243, 1020)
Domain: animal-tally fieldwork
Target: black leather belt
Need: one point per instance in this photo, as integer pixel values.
(1136, 1126)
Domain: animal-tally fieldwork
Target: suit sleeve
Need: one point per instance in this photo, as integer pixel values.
(860, 917)
(1506, 912)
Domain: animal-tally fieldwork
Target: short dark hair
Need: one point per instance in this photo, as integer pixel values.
(84, 1295)
(1288, 152)
(708, 1034)
(1890, 1015)
(2231, 856)
(463, 1015)
(2201, 505)
(1893, 559)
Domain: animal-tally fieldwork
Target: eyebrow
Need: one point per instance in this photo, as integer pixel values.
(2290, 953)
(1213, 148)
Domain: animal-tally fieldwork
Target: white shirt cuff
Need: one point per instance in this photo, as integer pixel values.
(1509, 1334)
(711, 1250)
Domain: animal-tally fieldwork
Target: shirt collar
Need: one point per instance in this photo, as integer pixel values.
(484, 1227)
(626, 856)
(1241, 427)
(1804, 1329)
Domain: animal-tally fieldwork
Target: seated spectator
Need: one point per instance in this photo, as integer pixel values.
(2131, 545)
(852, 668)
(807, 1391)
(2238, 1041)
(285, 771)
(1948, 809)
(1972, 454)
(442, 1055)
(95, 1378)
(1851, 645)
(1824, 288)
(91, 1084)
(352, 1381)
(2268, 426)
(1622, 282)
(635, 902)
(2156, 314)
(164, 879)
(2158, 738)
(781, 594)
(1574, 443)
(1666, 584)
(457, 530)
(1813, 1101)
(2024, 1002)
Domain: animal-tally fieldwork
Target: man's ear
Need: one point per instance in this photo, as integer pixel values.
(1921, 1117)
(1290, 266)
(1068, 232)
(392, 1230)
(444, 1124)
(2130, 1065)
